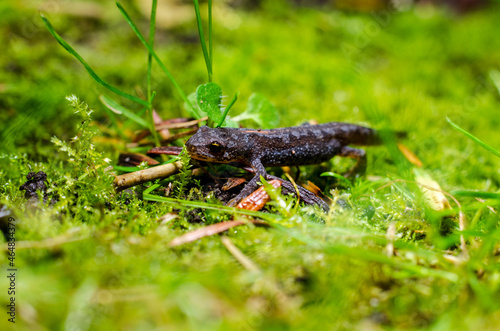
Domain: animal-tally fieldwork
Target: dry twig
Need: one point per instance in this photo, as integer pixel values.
(210, 230)
(142, 176)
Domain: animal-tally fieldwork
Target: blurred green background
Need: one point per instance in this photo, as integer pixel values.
(380, 63)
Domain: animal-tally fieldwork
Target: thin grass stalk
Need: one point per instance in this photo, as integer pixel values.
(202, 39)
(152, 26)
(155, 56)
(210, 35)
(475, 139)
(92, 73)
(227, 110)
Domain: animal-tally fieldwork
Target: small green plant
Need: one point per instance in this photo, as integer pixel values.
(182, 180)
(86, 180)
(80, 150)
(209, 101)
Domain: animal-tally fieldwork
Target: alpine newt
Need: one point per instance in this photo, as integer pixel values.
(293, 146)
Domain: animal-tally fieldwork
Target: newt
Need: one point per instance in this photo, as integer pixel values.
(292, 146)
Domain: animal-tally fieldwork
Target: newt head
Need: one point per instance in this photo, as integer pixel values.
(214, 145)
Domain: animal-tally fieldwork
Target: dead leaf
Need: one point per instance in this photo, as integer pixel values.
(167, 150)
(431, 191)
(410, 156)
(233, 182)
(257, 199)
(310, 186)
(179, 123)
(164, 134)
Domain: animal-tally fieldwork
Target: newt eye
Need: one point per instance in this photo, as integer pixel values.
(216, 148)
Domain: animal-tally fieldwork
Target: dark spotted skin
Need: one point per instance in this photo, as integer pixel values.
(293, 146)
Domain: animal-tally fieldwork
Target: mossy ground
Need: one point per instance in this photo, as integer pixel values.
(110, 267)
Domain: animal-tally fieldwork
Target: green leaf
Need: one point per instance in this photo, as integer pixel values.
(192, 108)
(474, 139)
(260, 110)
(119, 109)
(209, 98)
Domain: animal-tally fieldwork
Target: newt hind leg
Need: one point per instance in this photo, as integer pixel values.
(359, 155)
(305, 195)
(251, 186)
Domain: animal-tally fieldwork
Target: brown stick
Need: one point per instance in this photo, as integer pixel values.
(142, 176)
(210, 230)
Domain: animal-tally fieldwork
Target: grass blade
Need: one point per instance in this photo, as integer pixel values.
(210, 50)
(365, 255)
(476, 194)
(151, 188)
(92, 73)
(474, 138)
(155, 56)
(152, 25)
(150, 94)
(224, 209)
(119, 109)
(354, 252)
(341, 178)
(202, 37)
(112, 117)
(126, 169)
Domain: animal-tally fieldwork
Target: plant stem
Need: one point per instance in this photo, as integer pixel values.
(155, 56)
(227, 110)
(210, 49)
(152, 25)
(202, 39)
(92, 73)
(475, 139)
